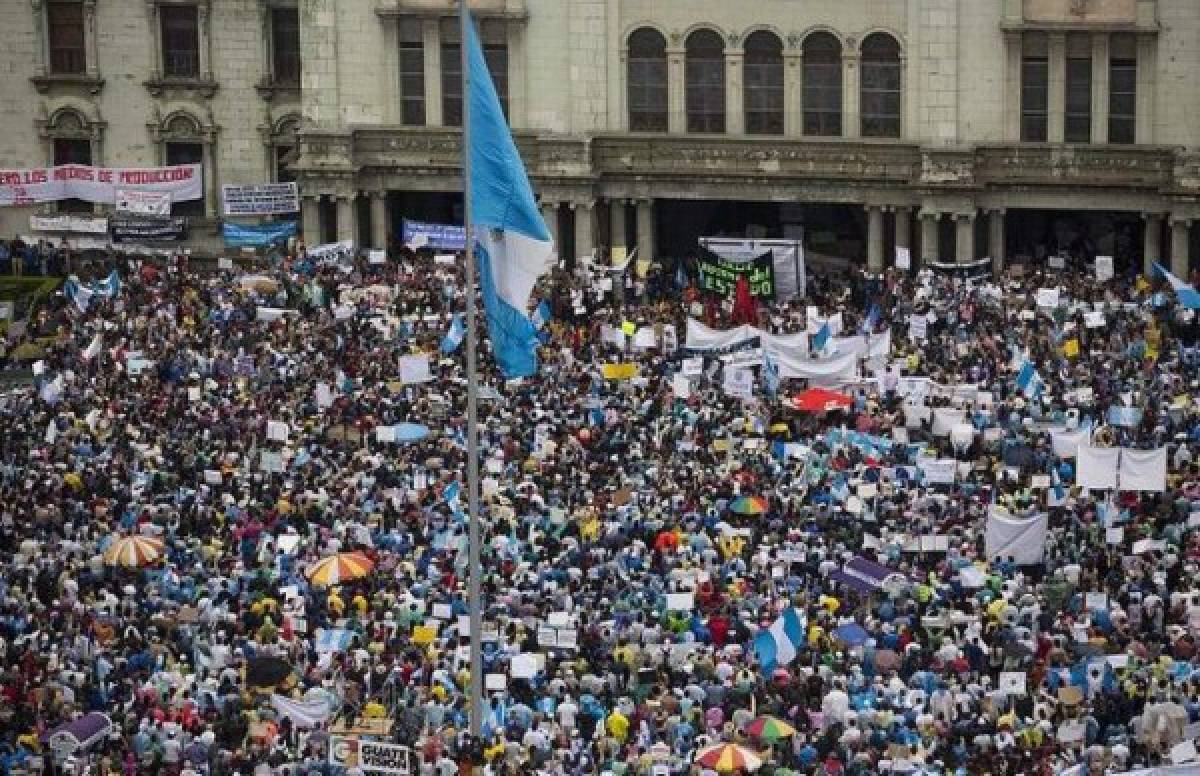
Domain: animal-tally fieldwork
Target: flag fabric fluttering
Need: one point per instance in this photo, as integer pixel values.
(1029, 382)
(1057, 495)
(511, 242)
(821, 339)
(81, 295)
(455, 334)
(779, 644)
(1184, 292)
(451, 496)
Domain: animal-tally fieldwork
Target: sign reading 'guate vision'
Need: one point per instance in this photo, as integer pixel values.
(98, 184)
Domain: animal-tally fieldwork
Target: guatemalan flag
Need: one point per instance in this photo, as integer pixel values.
(1187, 295)
(1029, 382)
(454, 335)
(779, 644)
(512, 243)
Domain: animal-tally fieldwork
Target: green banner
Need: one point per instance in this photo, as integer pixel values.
(719, 275)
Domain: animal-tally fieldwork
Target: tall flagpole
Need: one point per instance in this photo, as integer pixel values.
(475, 713)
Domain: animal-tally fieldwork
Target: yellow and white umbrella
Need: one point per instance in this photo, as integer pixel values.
(339, 568)
(134, 551)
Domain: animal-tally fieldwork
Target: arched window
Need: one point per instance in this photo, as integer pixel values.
(646, 78)
(704, 74)
(183, 143)
(880, 104)
(822, 78)
(763, 77)
(71, 143)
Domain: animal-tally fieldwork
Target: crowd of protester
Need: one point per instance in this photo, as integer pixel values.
(155, 412)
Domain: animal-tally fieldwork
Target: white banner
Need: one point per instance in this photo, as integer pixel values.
(1144, 469)
(1023, 540)
(1096, 467)
(263, 199)
(76, 224)
(97, 184)
(869, 347)
(143, 203)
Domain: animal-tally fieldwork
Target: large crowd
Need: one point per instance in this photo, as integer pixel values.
(195, 441)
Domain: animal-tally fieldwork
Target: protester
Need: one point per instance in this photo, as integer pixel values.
(661, 572)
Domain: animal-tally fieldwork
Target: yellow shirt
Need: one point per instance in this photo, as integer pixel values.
(617, 725)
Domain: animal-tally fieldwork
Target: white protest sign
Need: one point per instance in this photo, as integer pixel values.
(681, 386)
(1012, 682)
(681, 602)
(415, 369)
(271, 462)
(324, 396)
(692, 367)
(143, 203)
(1104, 268)
(523, 666)
(277, 431)
(1094, 320)
(739, 383)
(903, 257)
(1047, 297)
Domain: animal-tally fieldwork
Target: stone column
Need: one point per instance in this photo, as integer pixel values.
(515, 39)
(874, 239)
(1100, 87)
(379, 220)
(550, 216)
(964, 238)
(616, 229)
(431, 41)
(929, 235)
(903, 224)
(1057, 101)
(1180, 260)
(211, 190)
(792, 97)
(996, 246)
(205, 41)
(645, 229)
(1151, 242)
(310, 219)
(676, 97)
(585, 241)
(1012, 86)
(347, 226)
(735, 110)
(850, 93)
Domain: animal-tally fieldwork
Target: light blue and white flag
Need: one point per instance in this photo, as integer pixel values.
(779, 644)
(455, 334)
(1029, 382)
(81, 295)
(451, 496)
(512, 243)
(333, 639)
(1187, 294)
(821, 339)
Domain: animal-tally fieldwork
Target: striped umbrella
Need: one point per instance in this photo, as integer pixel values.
(339, 568)
(770, 729)
(134, 551)
(728, 757)
(749, 505)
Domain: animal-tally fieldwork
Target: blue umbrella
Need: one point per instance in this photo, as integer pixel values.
(411, 432)
(851, 633)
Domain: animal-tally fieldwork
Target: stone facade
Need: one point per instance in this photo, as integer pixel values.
(959, 156)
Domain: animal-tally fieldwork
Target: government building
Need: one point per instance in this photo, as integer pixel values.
(957, 129)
